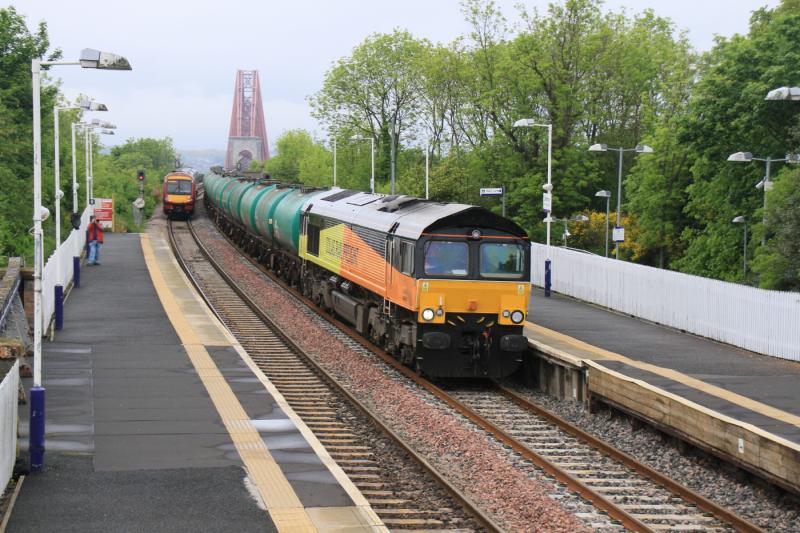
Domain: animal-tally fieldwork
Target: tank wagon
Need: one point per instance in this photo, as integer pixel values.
(443, 287)
(179, 194)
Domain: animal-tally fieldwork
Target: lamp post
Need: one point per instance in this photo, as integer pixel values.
(372, 154)
(547, 197)
(89, 59)
(85, 105)
(639, 149)
(427, 169)
(607, 195)
(334, 161)
(742, 220)
(765, 183)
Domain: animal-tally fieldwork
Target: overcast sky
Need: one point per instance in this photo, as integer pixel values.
(185, 54)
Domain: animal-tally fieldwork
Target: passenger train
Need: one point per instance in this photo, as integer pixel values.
(179, 194)
(443, 287)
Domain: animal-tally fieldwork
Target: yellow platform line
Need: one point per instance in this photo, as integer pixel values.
(713, 390)
(283, 504)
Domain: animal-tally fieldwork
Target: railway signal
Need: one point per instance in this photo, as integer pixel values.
(140, 175)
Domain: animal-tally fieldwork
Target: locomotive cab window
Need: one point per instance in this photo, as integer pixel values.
(502, 261)
(179, 187)
(446, 258)
(312, 238)
(405, 259)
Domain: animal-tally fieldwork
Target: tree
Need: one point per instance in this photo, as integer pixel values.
(372, 90)
(778, 264)
(728, 114)
(18, 46)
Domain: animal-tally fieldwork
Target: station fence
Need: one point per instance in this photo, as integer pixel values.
(9, 390)
(58, 269)
(763, 321)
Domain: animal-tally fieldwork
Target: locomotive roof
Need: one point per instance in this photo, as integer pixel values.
(412, 215)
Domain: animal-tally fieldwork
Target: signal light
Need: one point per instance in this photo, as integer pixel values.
(140, 175)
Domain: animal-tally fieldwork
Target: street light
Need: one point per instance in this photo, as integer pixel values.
(765, 183)
(89, 59)
(547, 197)
(334, 161)
(427, 168)
(639, 149)
(742, 220)
(86, 105)
(372, 153)
(784, 93)
(607, 195)
(566, 221)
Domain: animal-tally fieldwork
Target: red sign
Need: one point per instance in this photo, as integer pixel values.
(104, 212)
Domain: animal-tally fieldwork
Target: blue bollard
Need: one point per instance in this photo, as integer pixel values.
(76, 271)
(547, 273)
(59, 290)
(36, 448)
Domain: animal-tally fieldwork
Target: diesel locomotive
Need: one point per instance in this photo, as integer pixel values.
(443, 287)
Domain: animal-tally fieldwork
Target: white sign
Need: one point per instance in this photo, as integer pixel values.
(547, 202)
(491, 191)
(618, 234)
(138, 203)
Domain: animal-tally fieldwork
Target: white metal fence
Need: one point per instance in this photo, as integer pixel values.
(8, 423)
(58, 269)
(763, 321)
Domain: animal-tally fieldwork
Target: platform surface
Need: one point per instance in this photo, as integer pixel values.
(158, 421)
(755, 389)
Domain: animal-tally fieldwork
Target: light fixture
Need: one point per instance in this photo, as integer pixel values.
(428, 314)
(738, 220)
(603, 194)
(517, 316)
(742, 157)
(784, 93)
(91, 58)
(598, 147)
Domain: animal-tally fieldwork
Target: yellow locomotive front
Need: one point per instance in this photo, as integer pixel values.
(472, 295)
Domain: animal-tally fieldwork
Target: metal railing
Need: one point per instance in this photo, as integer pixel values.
(759, 320)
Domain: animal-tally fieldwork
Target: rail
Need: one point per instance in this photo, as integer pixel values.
(486, 521)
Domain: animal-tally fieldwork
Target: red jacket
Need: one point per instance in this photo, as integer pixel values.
(95, 232)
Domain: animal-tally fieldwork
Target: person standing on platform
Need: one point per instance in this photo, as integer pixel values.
(95, 239)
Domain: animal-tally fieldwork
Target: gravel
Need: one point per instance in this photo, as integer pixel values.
(477, 465)
(769, 508)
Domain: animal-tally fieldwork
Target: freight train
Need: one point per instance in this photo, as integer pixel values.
(444, 287)
(179, 194)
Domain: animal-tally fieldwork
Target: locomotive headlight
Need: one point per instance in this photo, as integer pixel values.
(517, 316)
(428, 314)
(506, 313)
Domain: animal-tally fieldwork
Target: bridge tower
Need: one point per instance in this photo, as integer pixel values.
(247, 140)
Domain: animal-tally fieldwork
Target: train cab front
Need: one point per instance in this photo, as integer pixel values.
(472, 298)
(179, 197)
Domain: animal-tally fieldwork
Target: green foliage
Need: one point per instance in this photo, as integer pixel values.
(727, 114)
(778, 264)
(18, 47)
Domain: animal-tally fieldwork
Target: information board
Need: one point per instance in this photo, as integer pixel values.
(104, 212)
(492, 191)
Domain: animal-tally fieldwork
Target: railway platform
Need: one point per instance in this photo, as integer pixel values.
(736, 404)
(157, 420)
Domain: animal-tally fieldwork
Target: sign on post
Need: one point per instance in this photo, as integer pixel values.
(618, 234)
(104, 212)
(547, 202)
(491, 191)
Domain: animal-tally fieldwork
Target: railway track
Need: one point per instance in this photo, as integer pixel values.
(598, 471)
(327, 409)
(631, 493)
